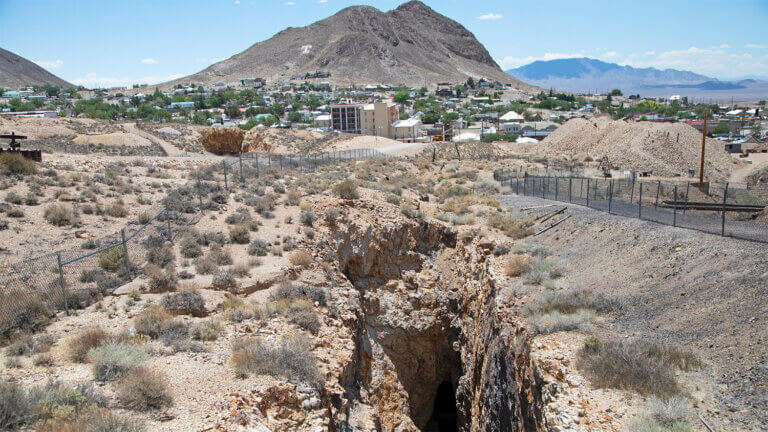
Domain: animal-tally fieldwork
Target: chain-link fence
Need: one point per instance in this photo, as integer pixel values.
(74, 278)
(729, 210)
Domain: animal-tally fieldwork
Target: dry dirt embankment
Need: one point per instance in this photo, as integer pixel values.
(666, 149)
(681, 287)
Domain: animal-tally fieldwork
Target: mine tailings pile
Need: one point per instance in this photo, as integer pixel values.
(432, 350)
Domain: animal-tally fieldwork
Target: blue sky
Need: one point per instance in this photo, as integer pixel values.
(119, 42)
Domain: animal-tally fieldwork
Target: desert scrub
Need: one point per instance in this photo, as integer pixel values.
(643, 367)
(293, 197)
(219, 255)
(308, 217)
(184, 302)
(113, 360)
(301, 258)
(13, 198)
(160, 280)
(117, 210)
(21, 311)
(144, 389)
(79, 346)
(91, 419)
(224, 279)
(205, 265)
(152, 321)
(29, 345)
(540, 270)
(510, 226)
(207, 330)
(291, 358)
(190, 248)
(258, 248)
(60, 215)
(240, 234)
(14, 163)
(346, 190)
(113, 259)
(161, 256)
(298, 291)
(515, 265)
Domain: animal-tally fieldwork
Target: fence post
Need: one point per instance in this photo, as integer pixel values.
(658, 189)
(674, 211)
(557, 187)
(543, 194)
(241, 168)
(257, 166)
(168, 219)
(226, 182)
(61, 283)
(525, 181)
(640, 203)
(587, 192)
(199, 189)
(610, 196)
(570, 189)
(126, 261)
(281, 163)
(725, 200)
(687, 188)
(632, 193)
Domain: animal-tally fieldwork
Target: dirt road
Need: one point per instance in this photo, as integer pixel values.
(169, 149)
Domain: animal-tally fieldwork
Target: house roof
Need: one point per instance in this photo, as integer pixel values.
(411, 122)
(511, 116)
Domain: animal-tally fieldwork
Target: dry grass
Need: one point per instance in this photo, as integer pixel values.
(79, 346)
(346, 190)
(291, 358)
(515, 228)
(301, 258)
(639, 366)
(515, 265)
(113, 360)
(144, 389)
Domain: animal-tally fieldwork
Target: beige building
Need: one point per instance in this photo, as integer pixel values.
(407, 130)
(377, 119)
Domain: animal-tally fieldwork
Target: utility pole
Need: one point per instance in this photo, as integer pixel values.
(703, 148)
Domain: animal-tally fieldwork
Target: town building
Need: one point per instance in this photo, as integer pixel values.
(407, 130)
(368, 119)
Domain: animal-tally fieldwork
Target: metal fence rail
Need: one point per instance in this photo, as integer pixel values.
(72, 278)
(723, 210)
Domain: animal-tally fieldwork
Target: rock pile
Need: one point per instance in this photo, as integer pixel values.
(221, 141)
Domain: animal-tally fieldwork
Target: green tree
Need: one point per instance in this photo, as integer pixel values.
(722, 128)
(450, 116)
(616, 92)
(295, 117)
(278, 110)
(401, 97)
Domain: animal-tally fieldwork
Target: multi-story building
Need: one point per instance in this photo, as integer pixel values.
(369, 119)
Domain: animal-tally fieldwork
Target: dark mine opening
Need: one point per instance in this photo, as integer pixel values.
(444, 416)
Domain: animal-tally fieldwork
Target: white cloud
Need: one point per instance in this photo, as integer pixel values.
(490, 16)
(290, 3)
(715, 61)
(650, 53)
(609, 55)
(93, 80)
(148, 61)
(755, 46)
(50, 64)
(510, 62)
(322, 1)
(237, 2)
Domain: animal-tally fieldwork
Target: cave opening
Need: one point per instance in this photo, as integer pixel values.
(444, 414)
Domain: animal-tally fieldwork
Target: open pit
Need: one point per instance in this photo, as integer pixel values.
(432, 351)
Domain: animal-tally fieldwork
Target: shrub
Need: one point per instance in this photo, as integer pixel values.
(224, 280)
(554, 321)
(292, 292)
(301, 258)
(91, 419)
(29, 345)
(152, 321)
(15, 407)
(3, 224)
(669, 413)
(60, 215)
(240, 234)
(293, 198)
(144, 217)
(161, 256)
(258, 248)
(500, 250)
(15, 213)
(515, 265)
(44, 359)
(117, 210)
(160, 280)
(113, 360)
(292, 359)
(144, 389)
(190, 248)
(219, 255)
(514, 228)
(205, 265)
(346, 190)
(571, 301)
(308, 217)
(80, 345)
(643, 367)
(21, 311)
(207, 330)
(13, 198)
(186, 302)
(539, 270)
(306, 319)
(15, 163)
(113, 259)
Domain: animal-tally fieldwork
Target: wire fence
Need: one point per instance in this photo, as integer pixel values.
(728, 209)
(74, 278)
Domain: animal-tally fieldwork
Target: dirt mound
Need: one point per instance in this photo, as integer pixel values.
(666, 149)
(120, 139)
(222, 140)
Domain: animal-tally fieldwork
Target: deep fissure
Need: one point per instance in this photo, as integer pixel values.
(445, 415)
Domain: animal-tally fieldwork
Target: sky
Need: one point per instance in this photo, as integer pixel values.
(104, 43)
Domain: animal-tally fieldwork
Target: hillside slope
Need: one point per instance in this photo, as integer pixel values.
(17, 72)
(411, 45)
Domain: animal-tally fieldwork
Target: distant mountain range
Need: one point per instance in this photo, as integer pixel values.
(411, 45)
(17, 72)
(585, 75)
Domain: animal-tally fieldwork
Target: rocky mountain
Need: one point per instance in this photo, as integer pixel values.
(17, 72)
(411, 45)
(585, 75)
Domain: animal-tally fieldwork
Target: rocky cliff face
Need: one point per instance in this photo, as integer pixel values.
(427, 329)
